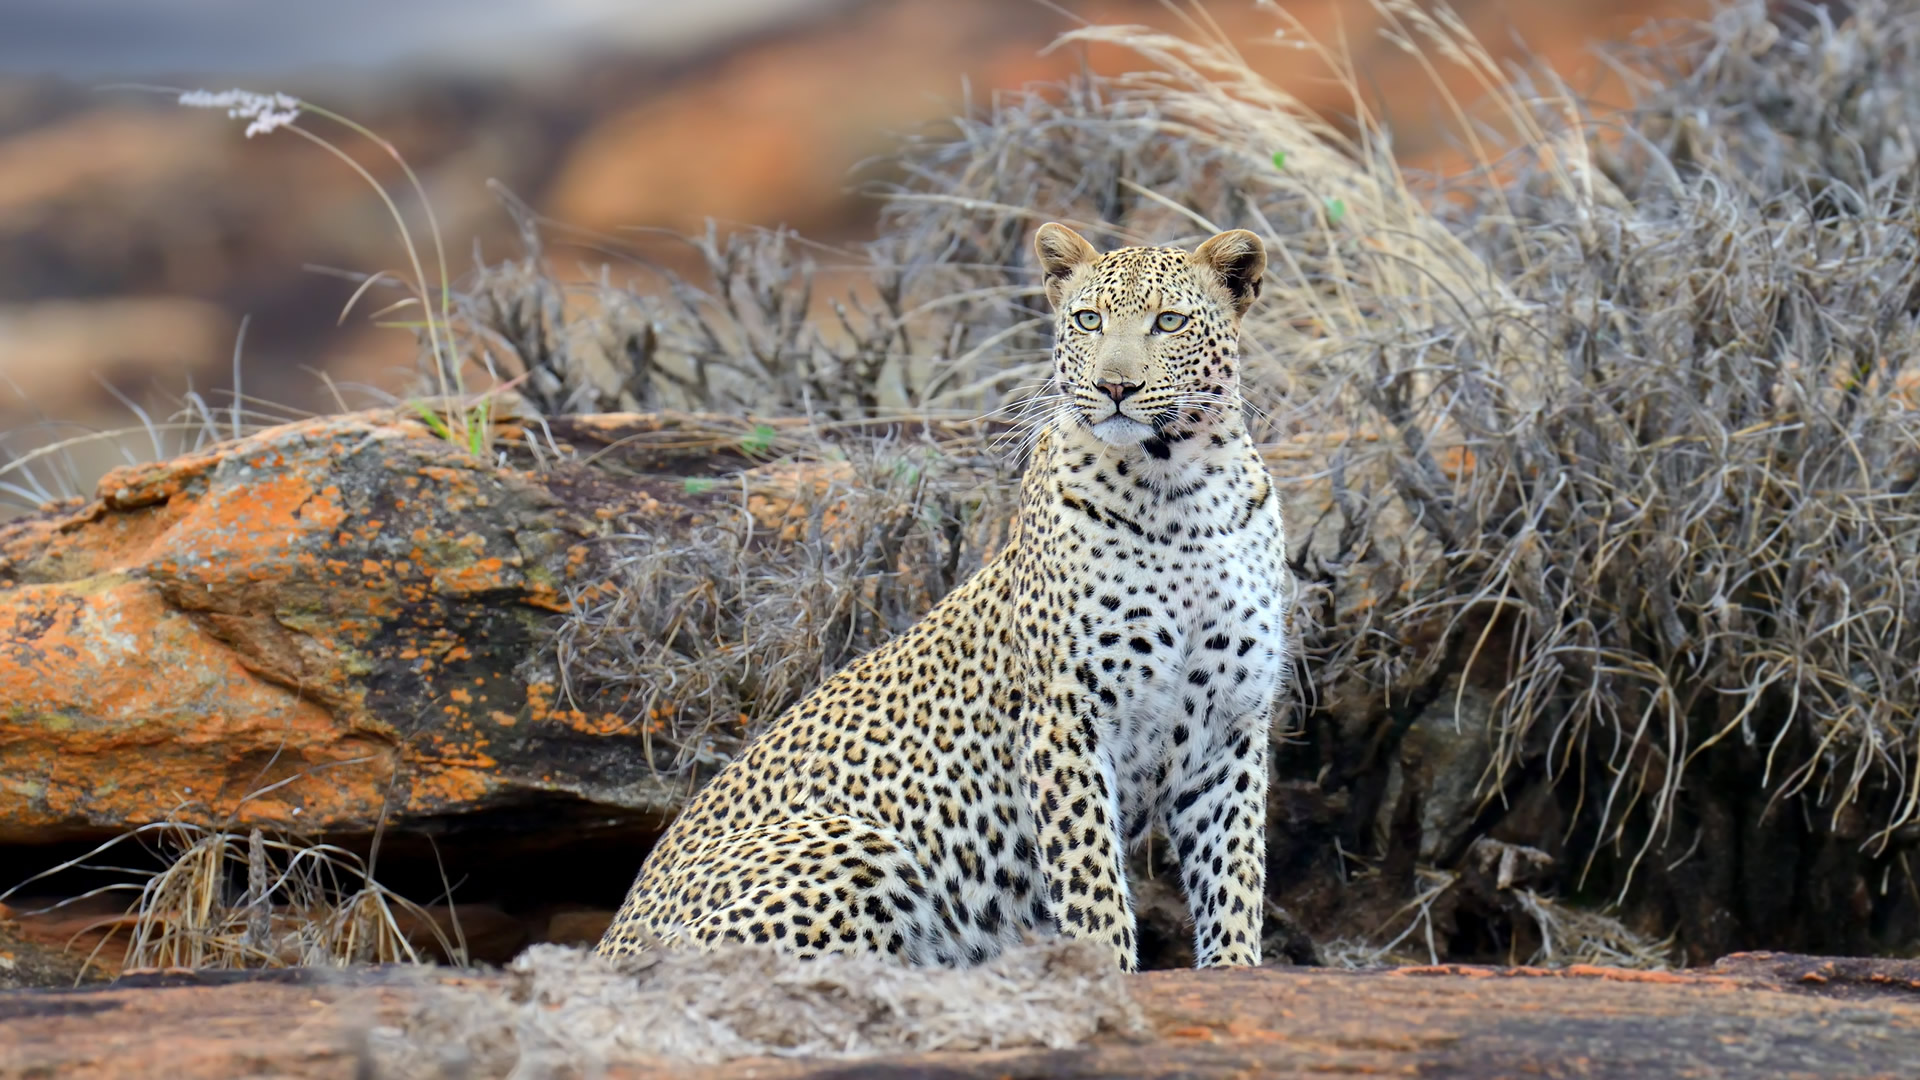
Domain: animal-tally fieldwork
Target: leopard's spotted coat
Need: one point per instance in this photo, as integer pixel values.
(1113, 669)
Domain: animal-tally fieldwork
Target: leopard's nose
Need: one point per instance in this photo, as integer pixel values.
(1119, 391)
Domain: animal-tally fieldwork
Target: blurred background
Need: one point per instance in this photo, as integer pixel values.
(135, 235)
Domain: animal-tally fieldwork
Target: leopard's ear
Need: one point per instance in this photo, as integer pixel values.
(1061, 251)
(1235, 260)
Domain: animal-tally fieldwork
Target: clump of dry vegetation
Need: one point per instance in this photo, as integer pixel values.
(1618, 423)
(570, 1013)
(220, 898)
(1497, 883)
(704, 638)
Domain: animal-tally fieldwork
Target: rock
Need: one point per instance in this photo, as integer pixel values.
(52, 944)
(338, 622)
(106, 153)
(1846, 976)
(28, 963)
(578, 927)
(302, 628)
(1442, 764)
(1752, 1021)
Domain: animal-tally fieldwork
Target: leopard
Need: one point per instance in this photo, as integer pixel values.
(979, 779)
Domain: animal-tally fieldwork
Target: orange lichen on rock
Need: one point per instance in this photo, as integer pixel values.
(116, 700)
(273, 609)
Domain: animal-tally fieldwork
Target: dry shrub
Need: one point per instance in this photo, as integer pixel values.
(704, 637)
(748, 338)
(1699, 520)
(1620, 420)
(569, 1013)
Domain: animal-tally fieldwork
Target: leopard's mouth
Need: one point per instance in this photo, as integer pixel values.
(1119, 429)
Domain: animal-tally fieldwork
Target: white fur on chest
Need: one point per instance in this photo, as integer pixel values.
(1185, 612)
(1232, 593)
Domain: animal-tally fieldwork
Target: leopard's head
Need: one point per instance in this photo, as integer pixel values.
(1146, 339)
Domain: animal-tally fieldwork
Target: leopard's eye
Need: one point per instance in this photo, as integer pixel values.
(1169, 321)
(1087, 320)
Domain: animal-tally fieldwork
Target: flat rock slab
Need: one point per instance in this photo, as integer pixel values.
(1753, 1016)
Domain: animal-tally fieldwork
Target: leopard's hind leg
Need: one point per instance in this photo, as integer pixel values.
(812, 887)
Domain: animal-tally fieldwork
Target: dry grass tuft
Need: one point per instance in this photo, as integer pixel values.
(226, 900)
(570, 1013)
(1495, 882)
(303, 903)
(1571, 935)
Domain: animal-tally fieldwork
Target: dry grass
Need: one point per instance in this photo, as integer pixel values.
(1570, 935)
(1567, 935)
(569, 1013)
(1495, 883)
(227, 899)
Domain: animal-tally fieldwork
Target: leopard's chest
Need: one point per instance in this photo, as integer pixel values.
(1182, 647)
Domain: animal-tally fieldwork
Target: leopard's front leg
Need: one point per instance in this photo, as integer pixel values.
(1217, 822)
(1076, 811)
